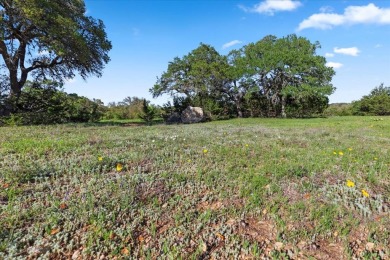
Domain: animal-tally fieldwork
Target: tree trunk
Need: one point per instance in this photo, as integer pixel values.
(14, 94)
(239, 111)
(16, 86)
(283, 107)
(239, 108)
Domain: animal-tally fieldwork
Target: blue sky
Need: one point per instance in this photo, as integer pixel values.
(147, 34)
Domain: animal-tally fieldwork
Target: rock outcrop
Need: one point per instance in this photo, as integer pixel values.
(192, 115)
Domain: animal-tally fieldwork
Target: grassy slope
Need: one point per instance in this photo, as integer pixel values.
(241, 188)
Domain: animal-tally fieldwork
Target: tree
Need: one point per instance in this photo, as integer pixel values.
(50, 39)
(200, 73)
(148, 112)
(46, 103)
(376, 103)
(284, 72)
(128, 108)
(288, 68)
(200, 77)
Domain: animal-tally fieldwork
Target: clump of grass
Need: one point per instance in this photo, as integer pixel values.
(356, 198)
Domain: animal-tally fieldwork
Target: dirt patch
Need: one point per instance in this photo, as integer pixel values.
(321, 249)
(145, 191)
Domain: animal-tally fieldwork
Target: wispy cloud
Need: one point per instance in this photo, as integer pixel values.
(272, 6)
(378, 45)
(367, 14)
(329, 55)
(335, 65)
(353, 51)
(230, 44)
(326, 9)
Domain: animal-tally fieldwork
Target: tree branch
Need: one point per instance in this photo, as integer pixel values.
(42, 65)
(4, 53)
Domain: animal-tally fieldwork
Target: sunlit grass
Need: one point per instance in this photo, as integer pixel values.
(226, 189)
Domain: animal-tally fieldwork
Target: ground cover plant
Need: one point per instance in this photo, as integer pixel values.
(237, 189)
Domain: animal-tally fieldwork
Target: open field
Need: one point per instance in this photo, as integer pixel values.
(248, 189)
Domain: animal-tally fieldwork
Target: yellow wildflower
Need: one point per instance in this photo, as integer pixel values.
(119, 167)
(334, 153)
(350, 183)
(341, 153)
(100, 158)
(375, 158)
(365, 193)
(205, 151)
(246, 145)
(349, 149)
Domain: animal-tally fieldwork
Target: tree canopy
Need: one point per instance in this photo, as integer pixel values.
(282, 76)
(377, 103)
(50, 39)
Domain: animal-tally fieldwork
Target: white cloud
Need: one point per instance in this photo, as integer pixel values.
(368, 14)
(353, 51)
(326, 9)
(378, 45)
(329, 55)
(272, 6)
(230, 44)
(335, 65)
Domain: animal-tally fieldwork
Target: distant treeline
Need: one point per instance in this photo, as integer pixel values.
(377, 103)
(47, 103)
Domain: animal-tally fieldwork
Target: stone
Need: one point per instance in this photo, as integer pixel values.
(174, 118)
(192, 115)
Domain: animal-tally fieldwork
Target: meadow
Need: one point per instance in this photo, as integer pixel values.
(236, 189)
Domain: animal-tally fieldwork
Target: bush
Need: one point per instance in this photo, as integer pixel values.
(377, 103)
(129, 108)
(148, 113)
(339, 109)
(46, 103)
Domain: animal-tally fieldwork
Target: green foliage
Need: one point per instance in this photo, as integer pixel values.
(148, 112)
(272, 77)
(288, 68)
(377, 103)
(50, 40)
(129, 108)
(338, 109)
(45, 103)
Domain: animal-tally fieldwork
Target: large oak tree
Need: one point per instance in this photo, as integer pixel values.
(52, 39)
(288, 67)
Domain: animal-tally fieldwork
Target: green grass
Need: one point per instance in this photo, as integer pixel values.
(243, 188)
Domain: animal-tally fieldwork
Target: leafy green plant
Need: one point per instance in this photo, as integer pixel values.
(148, 113)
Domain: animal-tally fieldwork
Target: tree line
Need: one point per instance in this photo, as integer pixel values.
(46, 103)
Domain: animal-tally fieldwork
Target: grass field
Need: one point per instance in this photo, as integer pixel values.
(237, 189)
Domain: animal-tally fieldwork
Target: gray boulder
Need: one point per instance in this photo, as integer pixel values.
(192, 115)
(174, 118)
